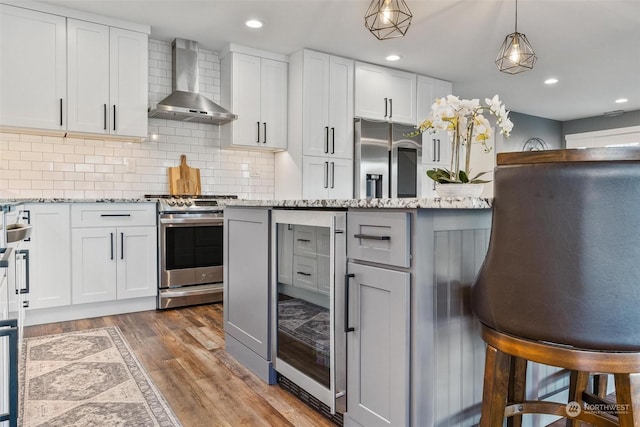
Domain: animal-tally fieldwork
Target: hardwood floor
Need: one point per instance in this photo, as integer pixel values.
(183, 352)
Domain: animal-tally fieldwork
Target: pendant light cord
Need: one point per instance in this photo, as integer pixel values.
(516, 16)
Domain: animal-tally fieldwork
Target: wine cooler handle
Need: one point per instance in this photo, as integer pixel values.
(347, 328)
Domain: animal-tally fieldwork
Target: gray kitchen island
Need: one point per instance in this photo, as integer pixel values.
(405, 267)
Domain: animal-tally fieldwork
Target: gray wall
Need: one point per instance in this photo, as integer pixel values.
(525, 127)
(591, 124)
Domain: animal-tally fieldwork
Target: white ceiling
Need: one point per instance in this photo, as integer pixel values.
(591, 46)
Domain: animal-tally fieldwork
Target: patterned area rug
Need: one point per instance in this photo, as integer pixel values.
(87, 378)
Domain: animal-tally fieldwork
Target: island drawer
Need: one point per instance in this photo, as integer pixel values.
(381, 237)
(113, 214)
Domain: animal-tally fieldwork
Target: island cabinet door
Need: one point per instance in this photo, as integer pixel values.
(246, 274)
(377, 347)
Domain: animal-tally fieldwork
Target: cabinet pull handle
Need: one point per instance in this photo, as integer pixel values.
(326, 174)
(385, 106)
(109, 215)
(390, 107)
(371, 237)
(333, 140)
(332, 176)
(434, 149)
(439, 148)
(302, 273)
(114, 116)
(326, 139)
(24, 256)
(121, 245)
(27, 217)
(60, 111)
(347, 328)
(304, 240)
(258, 140)
(264, 137)
(105, 116)
(111, 245)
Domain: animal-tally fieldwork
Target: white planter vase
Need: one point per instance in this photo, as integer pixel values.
(459, 190)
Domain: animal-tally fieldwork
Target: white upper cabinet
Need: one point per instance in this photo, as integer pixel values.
(324, 178)
(128, 94)
(107, 79)
(32, 69)
(255, 89)
(88, 76)
(385, 94)
(65, 74)
(436, 147)
(319, 160)
(328, 102)
(626, 136)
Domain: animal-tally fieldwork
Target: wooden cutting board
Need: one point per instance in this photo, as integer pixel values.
(184, 180)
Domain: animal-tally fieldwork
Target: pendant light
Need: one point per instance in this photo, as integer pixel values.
(388, 19)
(516, 54)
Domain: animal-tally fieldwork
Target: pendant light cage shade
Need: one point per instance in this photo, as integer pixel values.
(516, 54)
(388, 19)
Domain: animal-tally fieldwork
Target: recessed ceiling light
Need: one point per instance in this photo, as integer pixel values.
(253, 23)
(551, 81)
(393, 57)
(621, 100)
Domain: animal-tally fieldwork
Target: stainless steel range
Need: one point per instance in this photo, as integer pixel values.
(190, 249)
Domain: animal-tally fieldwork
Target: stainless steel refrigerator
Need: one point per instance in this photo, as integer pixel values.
(387, 162)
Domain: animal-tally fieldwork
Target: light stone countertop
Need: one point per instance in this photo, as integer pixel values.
(404, 203)
(63, 200)
(409, 203)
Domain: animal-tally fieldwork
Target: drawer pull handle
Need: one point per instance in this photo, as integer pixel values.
(302, 273)
(370, 237)
(304, 240)
(108, 215)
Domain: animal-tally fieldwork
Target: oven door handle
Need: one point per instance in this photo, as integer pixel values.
(191, 221)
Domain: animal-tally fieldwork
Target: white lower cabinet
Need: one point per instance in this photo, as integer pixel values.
(378, 346)
(94, 265)
(49, 249)
(114, 252)
(113, 263)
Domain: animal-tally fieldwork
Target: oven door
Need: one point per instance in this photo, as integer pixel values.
(190, 249)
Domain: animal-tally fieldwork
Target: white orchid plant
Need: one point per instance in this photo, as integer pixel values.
(465, 123)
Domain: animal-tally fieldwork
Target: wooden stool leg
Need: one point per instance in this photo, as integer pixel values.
(628, 393)
(517, 388)
(578, 382)
(600, 385)
(496, 382)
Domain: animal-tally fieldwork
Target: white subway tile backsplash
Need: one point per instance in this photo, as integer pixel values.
(51, 166)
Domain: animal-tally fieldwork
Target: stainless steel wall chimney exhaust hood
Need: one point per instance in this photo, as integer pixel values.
(185, 103)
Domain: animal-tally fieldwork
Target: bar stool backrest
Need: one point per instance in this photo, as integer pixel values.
(563, 263)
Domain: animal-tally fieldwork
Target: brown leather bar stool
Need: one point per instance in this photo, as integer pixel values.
(560, 284)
